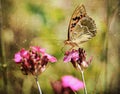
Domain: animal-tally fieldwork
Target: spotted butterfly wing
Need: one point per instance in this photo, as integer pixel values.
(81, 27)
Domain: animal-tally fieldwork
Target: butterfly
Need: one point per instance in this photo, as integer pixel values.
(81, 27)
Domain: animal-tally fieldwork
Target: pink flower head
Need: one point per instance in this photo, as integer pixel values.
(69, 55)
(72, 82)
(77, 57)
(34, 60)
(67, 85)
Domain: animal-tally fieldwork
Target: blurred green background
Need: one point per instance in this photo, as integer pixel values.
(25, 23)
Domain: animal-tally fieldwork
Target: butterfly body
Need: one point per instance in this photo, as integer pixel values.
(81, 27)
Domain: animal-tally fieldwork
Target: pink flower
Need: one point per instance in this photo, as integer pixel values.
(77, 57)
(72, 82)
(67, 85)
(71, 55)
(34, 60)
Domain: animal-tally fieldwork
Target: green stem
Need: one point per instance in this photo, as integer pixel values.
(82, 72)
(36, 78)
(2, 50)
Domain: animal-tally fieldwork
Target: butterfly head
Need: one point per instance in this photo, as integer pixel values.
(72, 44)
(66, 42)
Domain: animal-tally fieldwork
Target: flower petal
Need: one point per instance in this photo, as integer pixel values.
(37, 49)
(17, 57)
(74, 54)
(51, 58)
(72, 82)
(67, 58)
(24, 53)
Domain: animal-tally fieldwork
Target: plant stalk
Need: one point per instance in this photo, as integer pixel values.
(3, 64)
(36, 78)
(83, 79)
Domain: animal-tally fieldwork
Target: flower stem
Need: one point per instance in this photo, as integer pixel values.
(36, 78)
(3, 64)
(82, 72)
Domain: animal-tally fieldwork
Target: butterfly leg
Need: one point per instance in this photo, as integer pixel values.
(73, 45)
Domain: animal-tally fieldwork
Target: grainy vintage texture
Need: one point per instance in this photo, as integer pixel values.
(44, 23)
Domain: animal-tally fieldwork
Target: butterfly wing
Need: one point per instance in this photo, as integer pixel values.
(77, 15)
(84, 30)
(81, 27)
